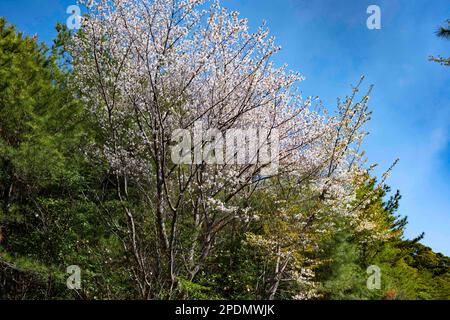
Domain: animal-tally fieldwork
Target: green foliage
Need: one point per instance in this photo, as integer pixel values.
(48, 215)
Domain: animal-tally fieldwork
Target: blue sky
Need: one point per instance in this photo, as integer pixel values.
(329, 43)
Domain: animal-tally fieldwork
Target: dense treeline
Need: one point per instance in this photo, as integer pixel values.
(64, 202)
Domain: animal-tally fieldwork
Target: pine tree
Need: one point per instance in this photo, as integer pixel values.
(443, 32)
(40, 136)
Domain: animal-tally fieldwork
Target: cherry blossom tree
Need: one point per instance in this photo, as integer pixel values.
(148, 68)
